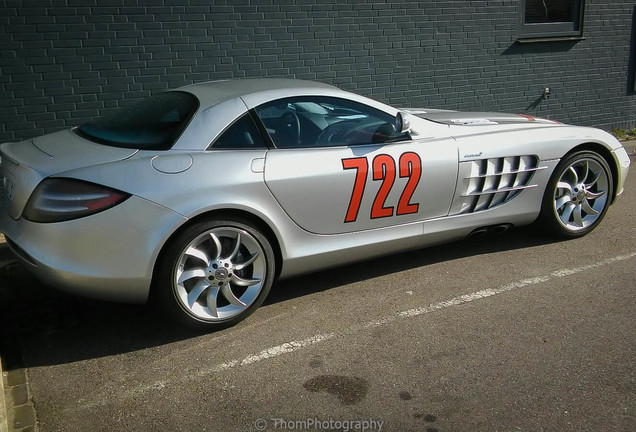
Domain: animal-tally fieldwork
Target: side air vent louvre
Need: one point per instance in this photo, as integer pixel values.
(489, 183)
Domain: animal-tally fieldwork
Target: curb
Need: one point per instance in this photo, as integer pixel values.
(4, 422)
(17, 412)
(4, 426)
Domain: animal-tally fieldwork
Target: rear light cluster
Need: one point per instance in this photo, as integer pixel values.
(61, 199)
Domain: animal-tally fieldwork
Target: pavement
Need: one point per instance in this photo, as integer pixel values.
(13, 388)
(4, 427)
(630, 146)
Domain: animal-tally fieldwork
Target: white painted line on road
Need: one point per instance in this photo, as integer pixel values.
(292, 346)
(410, 313)
(286, 348)
(269, 353)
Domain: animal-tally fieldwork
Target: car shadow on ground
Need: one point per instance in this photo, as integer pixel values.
(63, 328)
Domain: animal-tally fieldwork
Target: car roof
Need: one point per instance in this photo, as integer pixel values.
(222, 102)
(211, 93)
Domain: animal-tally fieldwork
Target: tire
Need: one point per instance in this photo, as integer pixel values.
(578, 195)
(215, 273)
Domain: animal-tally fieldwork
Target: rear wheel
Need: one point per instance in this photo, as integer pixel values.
(578, 194)
(215, 273)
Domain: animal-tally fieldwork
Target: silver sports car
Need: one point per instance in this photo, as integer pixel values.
(204, 195)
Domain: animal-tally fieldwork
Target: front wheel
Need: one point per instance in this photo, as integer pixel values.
(215, 273)
(578, 194)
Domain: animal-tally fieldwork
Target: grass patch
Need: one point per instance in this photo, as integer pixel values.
(625, 135)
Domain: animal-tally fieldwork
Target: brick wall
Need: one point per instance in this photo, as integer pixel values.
(63, 61)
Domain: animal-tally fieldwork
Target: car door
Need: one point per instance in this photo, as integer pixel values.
(340, 166)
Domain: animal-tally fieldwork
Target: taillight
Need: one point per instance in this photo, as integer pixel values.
(60, 199)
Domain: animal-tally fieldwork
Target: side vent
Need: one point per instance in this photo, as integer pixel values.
(488, 183)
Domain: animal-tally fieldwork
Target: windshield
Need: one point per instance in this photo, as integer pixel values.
(154, 123)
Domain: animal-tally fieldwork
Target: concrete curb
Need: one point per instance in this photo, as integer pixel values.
(4, 421)
(4, 426)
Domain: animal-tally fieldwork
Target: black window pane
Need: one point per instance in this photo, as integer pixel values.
(154, 123)
(243, 134)
(549, 11)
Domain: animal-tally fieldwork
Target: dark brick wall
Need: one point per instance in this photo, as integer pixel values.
(63, 61)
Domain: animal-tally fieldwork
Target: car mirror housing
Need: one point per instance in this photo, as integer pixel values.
(402, 123)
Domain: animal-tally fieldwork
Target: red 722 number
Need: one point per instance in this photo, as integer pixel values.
(383, 167)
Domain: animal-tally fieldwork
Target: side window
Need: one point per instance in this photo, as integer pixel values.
(326, 122)
(243, 134)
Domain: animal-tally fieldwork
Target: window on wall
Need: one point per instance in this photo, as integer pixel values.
(561, 19)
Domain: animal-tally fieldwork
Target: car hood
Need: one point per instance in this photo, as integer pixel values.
(459, 118)
(442, 123)
(24, 164)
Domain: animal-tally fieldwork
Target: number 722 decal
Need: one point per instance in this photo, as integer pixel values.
(383, 168)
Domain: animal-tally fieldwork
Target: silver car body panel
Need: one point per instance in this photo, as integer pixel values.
(110, 260)
(316, 195)
(302, 195)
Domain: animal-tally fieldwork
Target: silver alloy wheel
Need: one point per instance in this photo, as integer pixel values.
(220, 274)
(581, 194)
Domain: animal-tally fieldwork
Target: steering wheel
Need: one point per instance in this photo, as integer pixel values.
(288, 130)
(336, 134)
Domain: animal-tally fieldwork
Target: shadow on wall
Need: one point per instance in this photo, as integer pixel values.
(535, 103)
(518, 48)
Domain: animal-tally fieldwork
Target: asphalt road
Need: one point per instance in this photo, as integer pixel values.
(513, 332)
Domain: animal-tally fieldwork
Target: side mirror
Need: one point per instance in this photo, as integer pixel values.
(402, 124)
